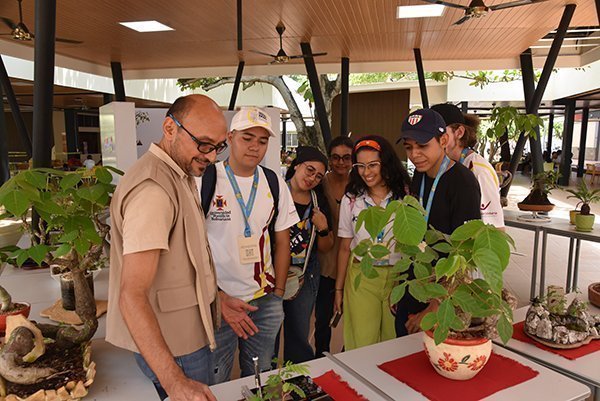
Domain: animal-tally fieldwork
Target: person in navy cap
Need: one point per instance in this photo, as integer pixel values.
(447, 190)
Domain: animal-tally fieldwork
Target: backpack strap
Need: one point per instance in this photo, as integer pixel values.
(273, 182)
(209, 183)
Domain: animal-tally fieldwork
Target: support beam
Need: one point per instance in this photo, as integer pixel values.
(464, 107)
(421, 76)
(236, 85)
(107, 98)
(16, 111)
(284, 134)
(561, 31)
(4, 167)
(598, 10)
(71, 131)
(567, 143)
(240, 41)
(315, 87)
(345, 96)
(117, 76)
(504, 148)
(585, 116)
(43, 82)
(550, 133)
(514, 161)
(529, 90)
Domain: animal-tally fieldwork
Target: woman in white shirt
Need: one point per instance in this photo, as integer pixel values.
(377, 177)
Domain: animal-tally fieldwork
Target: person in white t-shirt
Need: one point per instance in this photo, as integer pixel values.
(377, 178)
(251, 279)
(89, 163)
(462, 138)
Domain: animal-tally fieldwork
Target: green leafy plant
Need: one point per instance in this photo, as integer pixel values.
(277, 388)
(507, 119)
(585, 196)
(71, 206)
(444, 267)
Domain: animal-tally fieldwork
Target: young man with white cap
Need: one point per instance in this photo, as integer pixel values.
(251, 255)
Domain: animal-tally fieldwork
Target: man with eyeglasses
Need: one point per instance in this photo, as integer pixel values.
(162, 294)
(251, 275)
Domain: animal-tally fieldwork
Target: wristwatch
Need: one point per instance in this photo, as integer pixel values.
(323, 233)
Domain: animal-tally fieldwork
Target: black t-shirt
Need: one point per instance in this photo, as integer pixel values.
(300, 232)
(456, 200)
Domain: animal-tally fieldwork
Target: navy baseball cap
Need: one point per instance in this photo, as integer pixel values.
(450, 113)
(422, 125)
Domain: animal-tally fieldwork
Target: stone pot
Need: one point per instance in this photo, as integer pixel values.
(572, 214)
(584, 222)
(67, 289)
(594, 294)
(23, 311)
(457, 359)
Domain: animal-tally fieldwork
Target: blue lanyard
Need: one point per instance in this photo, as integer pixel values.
(382, 233)
(440, 173)
(246, 208)
(463, 155)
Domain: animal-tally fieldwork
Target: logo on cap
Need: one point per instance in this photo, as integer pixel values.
(414, 119)
(257, 117)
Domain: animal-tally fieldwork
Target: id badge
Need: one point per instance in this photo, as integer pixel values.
(381, 262)
(248, 248)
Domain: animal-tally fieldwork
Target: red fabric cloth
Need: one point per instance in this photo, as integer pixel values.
(337, 389)
(499, 373)
(572, 354)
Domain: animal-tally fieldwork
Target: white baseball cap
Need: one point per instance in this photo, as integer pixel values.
(249, 117)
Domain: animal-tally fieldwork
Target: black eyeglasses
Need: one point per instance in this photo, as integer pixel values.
(203, 147)
(338, 158)
(312, 172)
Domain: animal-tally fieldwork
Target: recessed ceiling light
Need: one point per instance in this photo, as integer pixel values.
(146, 26)
(420, 11)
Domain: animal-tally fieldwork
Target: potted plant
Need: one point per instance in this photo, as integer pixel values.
(72, 207)
(537, 200)
(471, 310)
(279, 387)
(8, 308)
(584, 220)
(71, 234)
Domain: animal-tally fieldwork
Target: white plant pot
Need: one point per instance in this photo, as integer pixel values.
(11, 232)
(457, 359)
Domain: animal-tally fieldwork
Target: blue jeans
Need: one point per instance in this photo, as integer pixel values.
(268, 320)
(196, 366)
(296, 324)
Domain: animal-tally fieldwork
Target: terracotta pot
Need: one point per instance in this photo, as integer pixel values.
(594, 294)
(534, 208)
(584, 222)
(25, 312)
(572, 214)
(457, 359)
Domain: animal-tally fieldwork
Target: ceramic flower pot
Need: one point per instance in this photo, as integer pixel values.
(457, 359)
(24, 309)
(584, 222)
(572, 214)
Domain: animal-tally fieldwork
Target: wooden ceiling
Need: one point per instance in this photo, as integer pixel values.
(363, 30)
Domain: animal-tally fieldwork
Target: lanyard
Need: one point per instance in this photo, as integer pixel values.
(463, 155)
(307, 211)
(440, 173)
(382, 233)
(246, 208)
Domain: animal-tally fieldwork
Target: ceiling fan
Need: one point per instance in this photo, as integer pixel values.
(477, 8)
(281, 56)
(19, 31)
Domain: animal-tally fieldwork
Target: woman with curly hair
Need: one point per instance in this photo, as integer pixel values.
(377, 177)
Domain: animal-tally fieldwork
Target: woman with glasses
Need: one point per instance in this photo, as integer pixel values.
(377, 177)
(334, 186)
(308, 237)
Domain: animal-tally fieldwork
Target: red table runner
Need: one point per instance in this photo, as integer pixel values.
(498, 374)
(337, 389)
(572, 354)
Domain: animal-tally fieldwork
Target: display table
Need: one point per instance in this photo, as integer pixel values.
(548, 385)
(585, 369)
(559, 226)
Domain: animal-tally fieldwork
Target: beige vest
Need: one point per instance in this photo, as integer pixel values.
(185, 277)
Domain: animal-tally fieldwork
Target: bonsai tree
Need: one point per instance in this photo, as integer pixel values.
(70, 234)
(444, 268)
(585, 196)
(542, 184)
